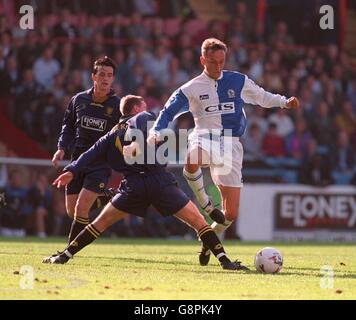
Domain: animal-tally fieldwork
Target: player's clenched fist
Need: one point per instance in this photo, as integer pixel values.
(292, 103)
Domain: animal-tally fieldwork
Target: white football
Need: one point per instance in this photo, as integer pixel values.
(268, 260)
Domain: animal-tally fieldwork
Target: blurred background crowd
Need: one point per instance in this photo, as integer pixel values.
(156, 45)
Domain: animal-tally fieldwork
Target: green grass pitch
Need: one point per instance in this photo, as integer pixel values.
(168, 269)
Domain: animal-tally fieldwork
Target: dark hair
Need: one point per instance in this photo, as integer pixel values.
(212, 44)
(106, 61)
(128, 102)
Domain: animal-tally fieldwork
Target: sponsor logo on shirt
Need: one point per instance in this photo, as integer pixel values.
(221, 108)
(93, 123)
(204, 97)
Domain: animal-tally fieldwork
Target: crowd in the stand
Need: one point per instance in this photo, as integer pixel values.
(157, 51)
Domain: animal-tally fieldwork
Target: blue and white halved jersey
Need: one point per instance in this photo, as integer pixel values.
(217, 104)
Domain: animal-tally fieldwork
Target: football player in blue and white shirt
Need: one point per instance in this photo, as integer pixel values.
(216, 98)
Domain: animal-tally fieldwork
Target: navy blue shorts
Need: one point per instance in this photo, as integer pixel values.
(138, 192)
(94, 180)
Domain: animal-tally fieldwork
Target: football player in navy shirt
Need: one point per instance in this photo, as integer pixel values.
(90, 115)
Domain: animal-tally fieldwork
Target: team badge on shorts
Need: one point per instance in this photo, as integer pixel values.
(102, 185)
(231, 93)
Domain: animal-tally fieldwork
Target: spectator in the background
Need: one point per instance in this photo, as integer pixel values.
(64, 28)
(136, 29)
(66, 57)
(237, 55)
(84, 69)
(315, 169)
(123, 70)
(40, 200)
(14, 216)
(138, 53)
(6, 46)
(98, 47)
(177, 76)
(257, 115)
(3, 170)
(6, 85)
(58, 88)
(158, 65)
(145, 7)
(29, 51)
(116, 32)
(342, 155)
(47, 120)
(188, 63)
(74, 83)
(351, 92)
(297, 142)
(273, 144)
(281, 36)
(282, 121)
(90, 24)
(45, 68)
(135, 77)
(252, 142)
(321, 125)
(157, 30)
(306, 100)
(236, 30)
(240, 11)
(255, 65)
(11, 69)
(346, 119)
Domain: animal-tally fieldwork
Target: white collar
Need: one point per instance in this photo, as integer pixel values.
(221, 75)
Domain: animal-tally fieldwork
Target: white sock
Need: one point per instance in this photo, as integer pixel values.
(196, 183)
(68, 254)
(220, 228)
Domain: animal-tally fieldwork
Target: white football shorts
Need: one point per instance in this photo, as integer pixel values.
(223, 154)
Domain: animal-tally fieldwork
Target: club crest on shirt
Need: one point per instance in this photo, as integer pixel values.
(81, 107)
(204, 97)
(109, 111)
(231, 93)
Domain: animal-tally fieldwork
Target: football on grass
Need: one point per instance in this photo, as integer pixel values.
(268, 260)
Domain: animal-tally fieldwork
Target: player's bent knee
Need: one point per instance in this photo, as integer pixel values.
(82, 210)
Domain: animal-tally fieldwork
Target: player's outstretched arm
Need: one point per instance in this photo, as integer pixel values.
(254, 94)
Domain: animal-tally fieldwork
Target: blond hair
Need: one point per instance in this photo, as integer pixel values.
(212, 44)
